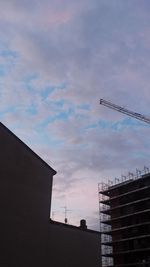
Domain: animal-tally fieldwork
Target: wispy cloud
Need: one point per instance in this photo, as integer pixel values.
(57, 58)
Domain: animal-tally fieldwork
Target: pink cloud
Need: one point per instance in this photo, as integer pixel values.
(59, 18)
(54, 16)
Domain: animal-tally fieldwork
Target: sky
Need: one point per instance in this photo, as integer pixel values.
(57, 59)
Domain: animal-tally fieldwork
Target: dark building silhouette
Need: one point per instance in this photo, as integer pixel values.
(125, 222)
(28, 237)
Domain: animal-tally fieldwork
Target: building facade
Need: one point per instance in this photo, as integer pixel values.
(125, 222)
(73, 246)
(28, 236)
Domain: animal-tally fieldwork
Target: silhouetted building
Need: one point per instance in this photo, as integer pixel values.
(125, 222)
(28, 237)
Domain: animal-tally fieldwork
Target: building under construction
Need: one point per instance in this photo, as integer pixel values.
(125, 220)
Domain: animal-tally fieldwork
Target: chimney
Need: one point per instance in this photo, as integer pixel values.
(83, 225)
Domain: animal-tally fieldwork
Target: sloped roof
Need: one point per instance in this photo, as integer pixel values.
(28, 148)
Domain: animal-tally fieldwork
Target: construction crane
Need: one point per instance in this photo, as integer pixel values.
(125, 111)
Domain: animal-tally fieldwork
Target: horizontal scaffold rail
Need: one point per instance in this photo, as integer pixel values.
(109, 232)
(125, 216)
(126, 252)
(125, 194)
(125, 239)
(108, 211)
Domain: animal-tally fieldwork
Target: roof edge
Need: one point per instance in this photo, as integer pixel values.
(27, 147)
(73, 227)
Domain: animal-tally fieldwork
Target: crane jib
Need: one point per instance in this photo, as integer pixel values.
(123, 110)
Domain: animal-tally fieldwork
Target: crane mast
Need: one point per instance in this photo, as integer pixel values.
(125, 111)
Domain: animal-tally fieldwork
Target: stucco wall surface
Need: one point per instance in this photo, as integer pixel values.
(71, 247)
(25, 194)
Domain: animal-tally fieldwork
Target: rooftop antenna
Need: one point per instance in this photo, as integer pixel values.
(65, 213)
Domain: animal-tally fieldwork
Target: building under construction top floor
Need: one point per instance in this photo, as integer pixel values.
(125, 221)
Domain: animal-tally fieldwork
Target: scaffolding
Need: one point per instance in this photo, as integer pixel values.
(104, 228)
(105, 211)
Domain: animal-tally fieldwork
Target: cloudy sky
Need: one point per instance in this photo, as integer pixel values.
(57, 59)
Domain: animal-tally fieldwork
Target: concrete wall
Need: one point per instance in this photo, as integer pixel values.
(72, 247)
(25, 194)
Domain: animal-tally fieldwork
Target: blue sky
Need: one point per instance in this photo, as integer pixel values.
(57, 59)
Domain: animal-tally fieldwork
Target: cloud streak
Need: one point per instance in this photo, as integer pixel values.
(57, 59)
